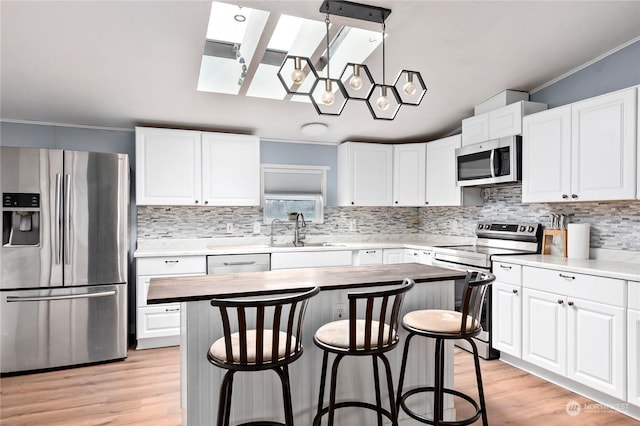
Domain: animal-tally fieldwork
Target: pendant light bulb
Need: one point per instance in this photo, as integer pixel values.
(383, 101)
(328, 98)
(356, 81)
(297, 76)
(409, 87)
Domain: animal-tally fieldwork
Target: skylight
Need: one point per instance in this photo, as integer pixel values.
(236, 62)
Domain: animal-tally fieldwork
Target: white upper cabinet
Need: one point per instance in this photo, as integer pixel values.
(603, 148)
(365, 174)
(441, 185)
(168, 167)
(546, 156)
(230, 169)
(409, 174)
(585, 151)
(501, 122)
(184, 167)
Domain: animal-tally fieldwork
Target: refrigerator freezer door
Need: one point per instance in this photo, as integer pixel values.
(32, 171)
(96, 207)
(60, 327)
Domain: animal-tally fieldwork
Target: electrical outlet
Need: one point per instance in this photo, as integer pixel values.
(353, 227)
(256, 227)
(339, 311)
(229, 228)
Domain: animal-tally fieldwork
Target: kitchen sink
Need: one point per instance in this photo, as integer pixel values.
(309, 245)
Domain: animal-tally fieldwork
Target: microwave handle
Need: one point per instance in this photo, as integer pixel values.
(492, 164)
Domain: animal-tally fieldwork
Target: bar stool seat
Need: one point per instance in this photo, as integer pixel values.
(362, 337)
(444, 325)
(259, 333)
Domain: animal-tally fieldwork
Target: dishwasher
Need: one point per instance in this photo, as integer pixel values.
(231, 263)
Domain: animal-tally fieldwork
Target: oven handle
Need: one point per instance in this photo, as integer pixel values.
(491, 162)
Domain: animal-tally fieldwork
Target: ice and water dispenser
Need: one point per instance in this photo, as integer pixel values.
(20, 219)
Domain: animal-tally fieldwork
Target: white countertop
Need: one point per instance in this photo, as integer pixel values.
(609, 268)
(213, 246)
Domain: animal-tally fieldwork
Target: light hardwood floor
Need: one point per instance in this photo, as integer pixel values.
(145, 390)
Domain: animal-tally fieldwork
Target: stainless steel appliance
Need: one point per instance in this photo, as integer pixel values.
(492, 239)
(494, 161)
(63, 259)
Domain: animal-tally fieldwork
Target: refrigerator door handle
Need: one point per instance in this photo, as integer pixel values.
(58, 220)
(72, 296)
(67, 219)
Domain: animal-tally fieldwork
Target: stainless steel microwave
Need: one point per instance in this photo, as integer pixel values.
(494, 161)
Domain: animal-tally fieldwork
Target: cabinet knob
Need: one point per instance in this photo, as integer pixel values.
(396, 202)
(570, 303)
(574, 196)
(206, 202)
(515, 291)
(565, 196)
(352, 203)
(197, 201)
(560, 301)
(426, 202)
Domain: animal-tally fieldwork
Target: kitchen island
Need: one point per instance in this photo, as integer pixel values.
(258, 395)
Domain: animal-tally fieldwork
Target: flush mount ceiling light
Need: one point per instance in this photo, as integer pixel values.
(330, 95)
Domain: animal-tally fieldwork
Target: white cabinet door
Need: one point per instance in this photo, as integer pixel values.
(595, 346)
(633, 356)
(506, 121)
(157, 321)
(168, 167)
(546, 156)
(367, 257)
(409, 163)
(475, 129)
(411, 256)
(230, 169)
(507, 318)
(365, 174)
(390, 256)
(441, 187)
(544, 330)
(603, 148)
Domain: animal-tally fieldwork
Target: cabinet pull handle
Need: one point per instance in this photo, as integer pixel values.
(172, 310)
(171, 261)
(515, 291)
(238, 263)
(370, 252)
(569, 277)
(560, 301)
(505, 267)
(570, 303)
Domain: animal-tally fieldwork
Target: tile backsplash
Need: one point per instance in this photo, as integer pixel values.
(614, 224)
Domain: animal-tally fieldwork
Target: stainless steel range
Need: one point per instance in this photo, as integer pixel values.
(492, 239)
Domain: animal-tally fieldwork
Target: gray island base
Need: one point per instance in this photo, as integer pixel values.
(258, 395)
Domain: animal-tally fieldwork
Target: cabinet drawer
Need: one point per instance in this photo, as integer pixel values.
(229, 263)
(368, 257)
(587, 287)
(172, 265)
(310, 259)
(507, 273)
(634, 295)
(158, 321)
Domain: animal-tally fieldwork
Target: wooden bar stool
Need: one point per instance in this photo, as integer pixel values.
(259, 334)
(372, 336)
(448, 325)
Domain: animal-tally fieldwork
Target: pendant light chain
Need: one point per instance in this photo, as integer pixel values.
(327, 21)
(384, 30)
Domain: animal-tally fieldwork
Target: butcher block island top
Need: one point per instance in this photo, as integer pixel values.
(195, 288)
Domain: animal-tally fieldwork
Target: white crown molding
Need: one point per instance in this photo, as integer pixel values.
(78, 126)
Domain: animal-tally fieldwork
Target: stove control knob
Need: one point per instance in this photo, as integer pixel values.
(530, 229)
(522, 228)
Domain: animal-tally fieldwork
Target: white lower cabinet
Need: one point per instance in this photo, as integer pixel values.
(506, 318)
(574, 325)
(367, 257)
(633, 344)
(159, 325)
(391, 256)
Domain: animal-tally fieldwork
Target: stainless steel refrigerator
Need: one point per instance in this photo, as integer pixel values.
(63, 260)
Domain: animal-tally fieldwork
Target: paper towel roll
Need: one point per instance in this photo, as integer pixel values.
(578, 240)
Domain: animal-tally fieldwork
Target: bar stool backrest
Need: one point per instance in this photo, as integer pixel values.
(380, 311)
(476, 284)
(263, 321)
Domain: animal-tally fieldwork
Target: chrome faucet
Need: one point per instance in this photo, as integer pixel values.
(273, 222)
(297, 238)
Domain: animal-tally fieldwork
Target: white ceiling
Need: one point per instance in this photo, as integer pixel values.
(122, 64)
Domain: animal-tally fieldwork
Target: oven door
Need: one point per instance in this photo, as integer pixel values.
(483, 340)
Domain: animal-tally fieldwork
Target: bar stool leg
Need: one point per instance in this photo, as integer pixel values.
(392, 403)
(376, 379)
(323, 380)
(403, 369)
(334, 382)
(476, 361)
(283, 374)
(438, 383)
(224, 404)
